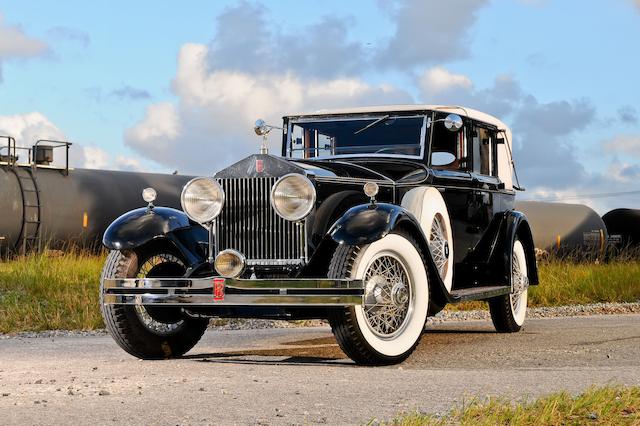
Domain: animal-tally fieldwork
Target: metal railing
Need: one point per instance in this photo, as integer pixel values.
(53, 144)
(11, 157)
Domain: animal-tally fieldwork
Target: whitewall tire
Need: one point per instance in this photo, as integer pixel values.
(388, 326)
(508, 312)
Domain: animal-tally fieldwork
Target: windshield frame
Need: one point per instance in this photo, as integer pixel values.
(291, 121)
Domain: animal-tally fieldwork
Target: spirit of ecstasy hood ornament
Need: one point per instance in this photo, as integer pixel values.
(262, 129)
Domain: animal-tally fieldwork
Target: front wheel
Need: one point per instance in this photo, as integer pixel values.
(389, 324)
(509, 311)
(148, 332)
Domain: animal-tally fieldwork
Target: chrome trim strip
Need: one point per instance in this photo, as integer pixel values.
(238, 292)
(234, 300)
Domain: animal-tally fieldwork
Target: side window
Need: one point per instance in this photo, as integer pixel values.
(483, 148)
(449, 150)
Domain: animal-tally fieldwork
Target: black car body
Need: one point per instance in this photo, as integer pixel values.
(439, 177)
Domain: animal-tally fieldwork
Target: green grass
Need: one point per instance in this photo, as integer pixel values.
(45, 292)
(564, 283)
(60, 291)
(596, 406)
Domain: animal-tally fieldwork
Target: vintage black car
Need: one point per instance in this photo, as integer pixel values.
(372, 218)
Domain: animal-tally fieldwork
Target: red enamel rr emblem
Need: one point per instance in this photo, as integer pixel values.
(259, 166)
(218, 289)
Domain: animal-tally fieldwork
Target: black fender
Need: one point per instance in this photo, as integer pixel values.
(517, 227)
(367, 223)
(137, 228)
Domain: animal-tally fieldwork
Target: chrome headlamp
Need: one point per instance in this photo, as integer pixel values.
(293, 196)
(202, 199)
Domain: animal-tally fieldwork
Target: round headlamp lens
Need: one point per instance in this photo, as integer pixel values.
(202, 199)
(229, 263)
(149, 195)
(293, 197)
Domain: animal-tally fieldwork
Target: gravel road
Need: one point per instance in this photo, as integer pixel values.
(299, 375)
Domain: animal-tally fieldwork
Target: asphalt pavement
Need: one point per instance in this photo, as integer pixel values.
(300, 376)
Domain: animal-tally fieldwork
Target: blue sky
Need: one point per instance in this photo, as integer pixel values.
(163, 86)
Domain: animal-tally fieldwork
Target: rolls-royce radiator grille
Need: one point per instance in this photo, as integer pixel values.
(249, 224)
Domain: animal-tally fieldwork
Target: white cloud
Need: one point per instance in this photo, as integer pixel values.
(129, 164)
(28, 128)
(437, 80)
(95, 158)
(161, 123)
(625, 144)
(211, 126)
(14, 43)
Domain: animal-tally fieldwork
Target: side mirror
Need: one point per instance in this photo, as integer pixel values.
(261, 128)
(453, 122)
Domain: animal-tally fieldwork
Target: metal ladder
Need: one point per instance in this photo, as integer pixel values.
(29, 238)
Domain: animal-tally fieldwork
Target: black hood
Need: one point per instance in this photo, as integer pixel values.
(265, 165)
(260, 165)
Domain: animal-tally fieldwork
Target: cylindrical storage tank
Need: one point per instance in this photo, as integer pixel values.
(565, 228)
(623, 226)
(76, 207)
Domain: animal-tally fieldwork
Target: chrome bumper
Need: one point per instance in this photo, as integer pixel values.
(215, 291)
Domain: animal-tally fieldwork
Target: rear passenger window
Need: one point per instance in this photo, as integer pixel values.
(483, 143)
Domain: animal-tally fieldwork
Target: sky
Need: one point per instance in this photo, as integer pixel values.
(164, 86)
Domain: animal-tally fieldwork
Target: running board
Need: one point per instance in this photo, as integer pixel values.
(478, 293)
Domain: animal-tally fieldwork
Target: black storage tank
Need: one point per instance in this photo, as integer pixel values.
(51, 206)
(623, 226)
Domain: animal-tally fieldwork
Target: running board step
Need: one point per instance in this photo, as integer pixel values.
(479, 293)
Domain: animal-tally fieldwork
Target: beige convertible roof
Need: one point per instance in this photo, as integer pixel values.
(460, 110)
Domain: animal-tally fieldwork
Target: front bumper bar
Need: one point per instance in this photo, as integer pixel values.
(215, 291)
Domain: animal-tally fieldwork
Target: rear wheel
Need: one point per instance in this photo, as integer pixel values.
(508, 312)
(388, 326)
(149, 332)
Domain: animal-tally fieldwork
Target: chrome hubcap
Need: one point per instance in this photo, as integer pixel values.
(146, 270)
(439, 245)
(387, 296)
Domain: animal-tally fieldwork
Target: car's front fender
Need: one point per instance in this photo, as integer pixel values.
(137, 227)
(366, 223)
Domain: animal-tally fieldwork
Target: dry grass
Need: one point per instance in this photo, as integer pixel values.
(596, 406)
(50, 291)
(58, 290)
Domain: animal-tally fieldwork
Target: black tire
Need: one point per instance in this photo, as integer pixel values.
(344, 323)
(505, 319)
(502, 315)
(126, 326)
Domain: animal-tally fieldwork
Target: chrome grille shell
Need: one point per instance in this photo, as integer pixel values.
(251, 226)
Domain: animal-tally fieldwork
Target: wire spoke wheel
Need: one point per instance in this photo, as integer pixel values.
(508, 312)
(388, 324)
(388, 295)
(439, 245)
(520, 286)
(158, 265)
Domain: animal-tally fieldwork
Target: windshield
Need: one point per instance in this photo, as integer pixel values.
(383, 135)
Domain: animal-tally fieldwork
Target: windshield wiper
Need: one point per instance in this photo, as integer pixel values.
(370, 125)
